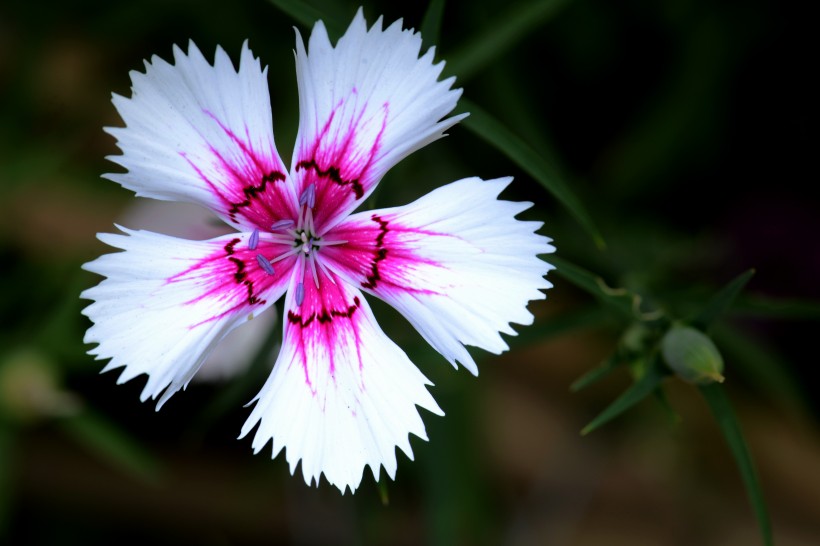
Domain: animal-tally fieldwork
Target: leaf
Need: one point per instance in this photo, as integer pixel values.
(639, 390)
(721, 301)
(109, 442)
(663, 401)
(307, 15)
(431, 24)
(384, 495)
(596, 374)
(635, 341)
(761, 366)
(7, 467)
(722, 410)
(503, 33)
(619, 299)
(491, 130)
(766, 307)
(571, 321)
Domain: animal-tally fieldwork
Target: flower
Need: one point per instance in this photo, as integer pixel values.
(456, 263)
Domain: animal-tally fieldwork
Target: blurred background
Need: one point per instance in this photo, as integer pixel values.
(683, 128)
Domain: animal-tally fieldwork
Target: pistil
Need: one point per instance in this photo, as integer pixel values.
(301, 237)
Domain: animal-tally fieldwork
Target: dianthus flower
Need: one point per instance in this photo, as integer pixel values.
(456, 263)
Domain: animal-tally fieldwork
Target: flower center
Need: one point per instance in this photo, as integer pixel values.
(302, 240)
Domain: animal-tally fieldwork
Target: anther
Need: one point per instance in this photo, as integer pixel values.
(265, 264)
(281, 224)
(254, 240)
(300, 293)
(308, 196)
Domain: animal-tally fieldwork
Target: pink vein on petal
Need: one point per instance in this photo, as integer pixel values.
(336, 162)
(251, 179)
(222, 272)
(325, 318)
(381, 255)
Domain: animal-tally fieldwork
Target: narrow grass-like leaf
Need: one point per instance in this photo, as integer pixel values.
(7, 452)
(596, 374)
(384, 495)
(721, 301)
(727, 421)
(582, 319)
(495, 133)
(618, 299)
(502, 33)
(109, 442)
(431, 24)
(762, 366)
(305, 14)
(663, 401)
(639, 390)
(766, 307)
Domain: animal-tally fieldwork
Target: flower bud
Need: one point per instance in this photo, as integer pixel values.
(692, 355)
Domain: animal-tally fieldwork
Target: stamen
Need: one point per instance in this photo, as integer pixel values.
(281, 224)
(322, 242)
(309, 220)
(283, 239)
(308, 196)
(312, 262)
(287, 254)
(326, 271)
(254, 240)
(265, 264)
(300, 293)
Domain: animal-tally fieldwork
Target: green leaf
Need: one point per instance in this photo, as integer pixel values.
(109, 442)
(502, 33)
(766, 307)
(431, 24)
(581, 319)
(596, 374)
(639, 390)
(618, 299)
(721, 301)
(637, 340)
(491, 130)
(384, 495)
(762, 366)
(722, 410)
(307, 15)
(7, 468)
(666, 406)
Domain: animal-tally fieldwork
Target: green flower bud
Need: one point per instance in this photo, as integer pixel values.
(692, 355)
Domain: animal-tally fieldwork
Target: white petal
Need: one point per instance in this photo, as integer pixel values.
(364, 105)
(342, 395)
(237, 350)
(456, 263)
(166, 302)
(203, 134)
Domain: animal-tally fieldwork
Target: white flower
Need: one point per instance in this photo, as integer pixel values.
(456, 263)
